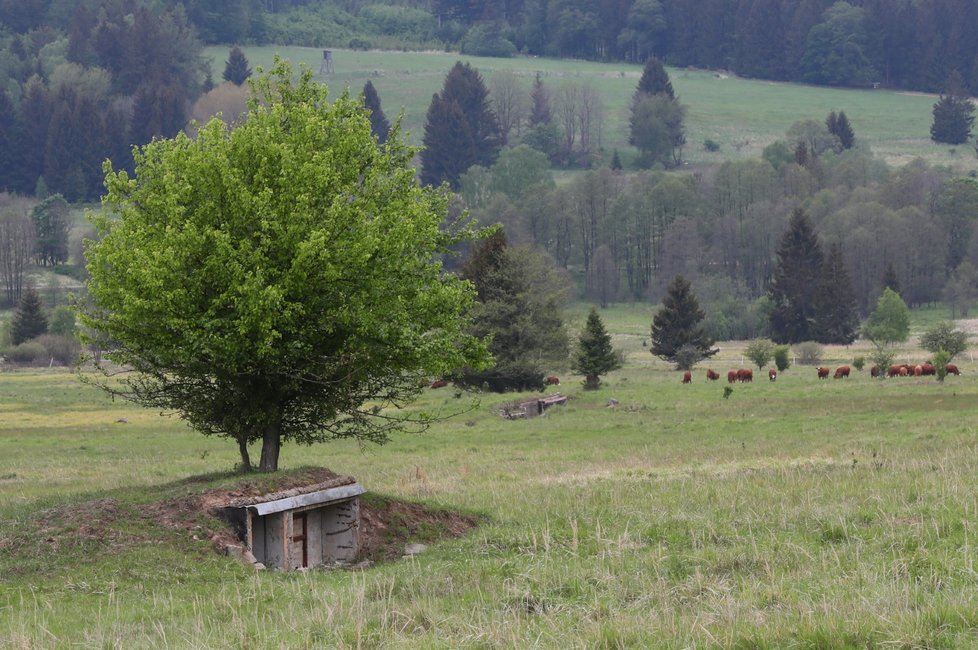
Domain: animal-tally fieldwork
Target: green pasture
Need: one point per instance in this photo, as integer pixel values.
(800, 513)
(742, 115)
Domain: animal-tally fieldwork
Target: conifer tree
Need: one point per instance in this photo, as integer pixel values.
(378, 121)
(29, 320)
(236, 68)
(953, 113)
(792, 291)
(839, 126)
(836, 318)
(8, 134)
(655, 80)
(677, 331)
(540, 103)
(594, 355)
(890, 279)
(460, 130)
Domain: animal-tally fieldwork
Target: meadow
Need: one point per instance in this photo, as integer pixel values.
(800, 513)
(742, 115)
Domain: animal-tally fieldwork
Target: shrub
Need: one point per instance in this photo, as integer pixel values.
(487, 39)
(809, 353)
(858, 363)
(782, 357)
(501, 379)
(63, 321)
(30, 352)
(760, 352)
(711, 145)
(63, 349)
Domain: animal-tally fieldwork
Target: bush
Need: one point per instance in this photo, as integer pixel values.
(711, 145)
(30, 352)
(809, 353)
(782, 357)
(63, 349)
(487, 39)
(760, 352)
(501, 379)
(858, 363)
(63, 321)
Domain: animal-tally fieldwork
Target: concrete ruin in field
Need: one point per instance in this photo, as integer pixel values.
(303, 527)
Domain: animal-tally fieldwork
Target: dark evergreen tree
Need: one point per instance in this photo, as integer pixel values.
(378, 121)
(461, 128)
(35, 116)
(540, 103)
(677, 330)
(594, 355)
(792, 291)
(29, 320)
(8, 142)
(890, 280)
(158, 110)
(839, 126)
(953, 113)
(655, 80)
(518, 304)
(52, 224)
(836, 315)
(616, 161)
(236, 68)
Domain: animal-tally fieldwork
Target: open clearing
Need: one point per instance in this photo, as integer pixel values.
(742, 115)
(801, 513)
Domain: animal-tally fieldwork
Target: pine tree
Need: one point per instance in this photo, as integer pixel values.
(953, 113)
(460, 130)
(677, 332)
(836, 318)
(655, 80)
(540, 101)
(236, 68)
(29, 320)
(792, 290)
(378, 121)
(8, 139)
(594, 355)
(890, 279)
(843, 131)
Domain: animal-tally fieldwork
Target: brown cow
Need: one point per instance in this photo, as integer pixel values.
(552, 381)
(772, 374)
(439, 383)
(711, 375)
(823, 373)
(952, 369)
(841, 372)
(745, 375)
(874, 371)
(731, 376)
(904, 371)
(929, 369)
(893, 371)
(687, 377)
(918, 371)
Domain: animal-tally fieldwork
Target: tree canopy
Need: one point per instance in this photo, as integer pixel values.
(277, 281)
(677, 328)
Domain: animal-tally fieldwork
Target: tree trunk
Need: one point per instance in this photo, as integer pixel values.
(270, 444)
(243, 449)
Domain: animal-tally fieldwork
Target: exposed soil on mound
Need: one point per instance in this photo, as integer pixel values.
(386, 526)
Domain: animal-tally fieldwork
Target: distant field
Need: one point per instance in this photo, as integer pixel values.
(802, 514)
(742, 115)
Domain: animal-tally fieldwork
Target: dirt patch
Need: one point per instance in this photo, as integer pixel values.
(386, 526)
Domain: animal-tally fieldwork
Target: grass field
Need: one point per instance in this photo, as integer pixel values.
(802, 514)
(742, 115)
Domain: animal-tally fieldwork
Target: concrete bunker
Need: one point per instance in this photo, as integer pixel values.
(301, 528)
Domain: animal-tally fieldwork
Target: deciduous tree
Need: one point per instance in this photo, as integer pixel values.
(263, 297)
(943, 336)
(888, 324)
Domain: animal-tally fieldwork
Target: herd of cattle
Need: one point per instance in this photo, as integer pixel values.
(745, 375)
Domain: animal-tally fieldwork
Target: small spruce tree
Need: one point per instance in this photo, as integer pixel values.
(378, 121)
(792, 291)
(678, 324)
(954, 114)
(29, 320)
(236, 68)
(594, 355)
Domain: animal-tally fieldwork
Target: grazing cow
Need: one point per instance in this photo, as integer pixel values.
(874, 371)
(772, 374)
(711, 375)
(952, 369)
(841, 372)
(929, 369)
(823, 373)
(745, 375)
(893, 371)
(731, 376)
(687, 377)
(904, 371)
(551, 381)
(439, 383)
(918, 371)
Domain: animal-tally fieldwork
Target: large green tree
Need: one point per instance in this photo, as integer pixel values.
(836, 316)
(677, 328)
(379, 125)
(594, 355)
(656, 121)
(792, 291)
(28, 320)
(461, 129)
(277, 282)
(236, 68)
(954, 114)
(887, 325)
